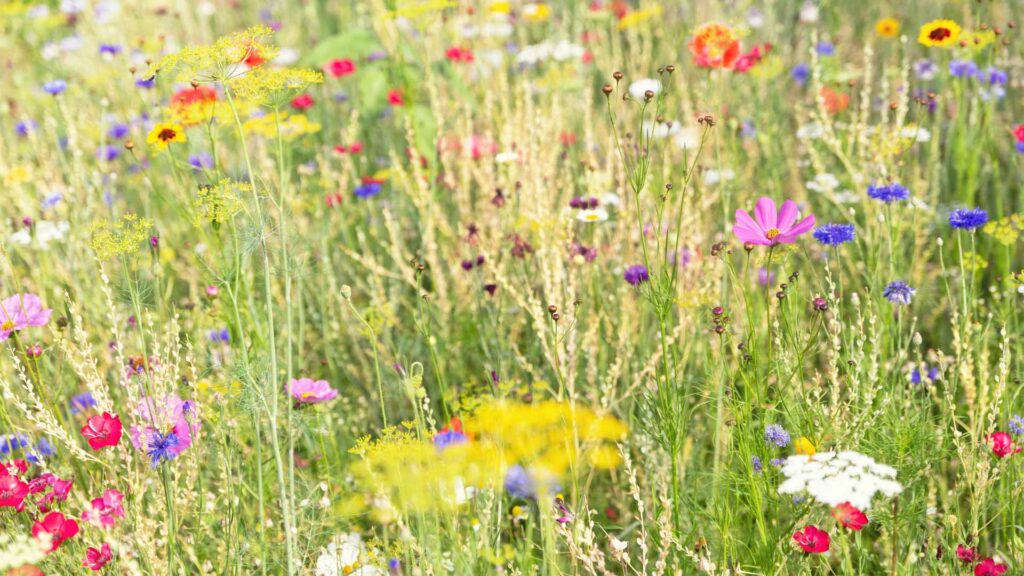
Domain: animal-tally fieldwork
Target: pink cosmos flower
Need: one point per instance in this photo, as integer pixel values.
(989, 567)
(106, 510)
(21, 311)
(174, 418)
(97, 558)
(770, 227)
(1002, 444)
(812, 540)
(56, 527)
(849, 516)
(12, 492)
(308, 391)
(339, 67)
(102, 430)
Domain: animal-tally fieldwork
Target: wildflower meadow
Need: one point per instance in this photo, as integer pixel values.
(481, 287)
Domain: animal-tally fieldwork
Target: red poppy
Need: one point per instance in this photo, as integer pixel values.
(835, 102)
(253, 58)
(849, 516)
(1018, 132)
(302, 102)
(189, 96)
(102, 430)
(966, 554)
(989, 567)
(812, 540)
(12, 492)
(456, 54)
(395, 98)
(333, 199)
(715, 46)
(57, 526)
(353, 148)
(1002, 444)
(97, 558)
(339, 67)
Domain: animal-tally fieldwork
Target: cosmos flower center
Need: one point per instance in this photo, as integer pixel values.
(167, 134)
(772, 233)
(939, 34)
(7, 325)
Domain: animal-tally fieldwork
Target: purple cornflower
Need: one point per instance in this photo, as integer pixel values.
(1017, 425)
(932, 374)
(834, 234)
(777, 462)
(1020, 147)
(993, 75)
(801, 73)
(118, 131)
(200, 161)
(518, 482)
(25, 127)
(145, 83)
(968, 219)
(367, 190)
(777, 435)
(889, 193)
(447, 438)
(219, 335)
(108, 153)
(12, 442)
(636, 275)
(42, 450)
(962, 68)
(925, 69)
(899, 292)
(82, 402)
(161, 447)
(55, 87)
(825, 48)
(756, 463)
(110, 49)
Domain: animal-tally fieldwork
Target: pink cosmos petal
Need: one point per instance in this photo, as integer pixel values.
(801, 226)
(743, 219)
(766, 214)
(787, 215)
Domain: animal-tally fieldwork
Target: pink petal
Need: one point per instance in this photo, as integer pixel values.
(787, 215)
(744, 219)
(766, 214)
(794, 232)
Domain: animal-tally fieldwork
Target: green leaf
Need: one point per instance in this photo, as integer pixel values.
(354, 44)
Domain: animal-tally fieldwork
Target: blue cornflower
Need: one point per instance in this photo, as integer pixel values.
(200, 161)
(777, 435)
(825, 48)
(108, 152)
(25, 127)
(968, 219)
(1020, 147)
(932, 374)
(747, 129)
(447, 438)
(899, 292)
(110, 49)
(756, 463)
(834, 234)
(518, 482)
(82, 402)
(777, 462)
(636, 275)
(118, 131)
(925, 69)
(219, 335)
(161, 447)
(43, 449)
(1017, 425)
(801, 73)
(12, 443)
(145, 83)
(993, 75)
(52, 200)
(367, 190)
(962, 68)
(55, 87)
(889, 193)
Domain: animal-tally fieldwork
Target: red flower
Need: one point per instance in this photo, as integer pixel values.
(302, 102)
(1002, 444)
(752, 58)
(253, 58)
(395, 98)
(333, 199)
(102, 431)
(1018, 132)
(15, 467)
(58, 527)
(26, 570)
(715, 46)
(849, 516)
(339, 67)
(812, 540)
(989, 567)
(456, 54)
(12, 492)
(97, 558)
(353, 148)
(835, 102)
(966, 554)
(199, 94)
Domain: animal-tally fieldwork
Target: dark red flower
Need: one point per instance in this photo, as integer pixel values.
(966, 554)
(849, 516)
(339, 67)
(97, 558)
(102, 430)
(812, 540)
(989, 567)
(57, 527)
(302, 102)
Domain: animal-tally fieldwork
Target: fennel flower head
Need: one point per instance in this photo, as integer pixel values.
(832, 478)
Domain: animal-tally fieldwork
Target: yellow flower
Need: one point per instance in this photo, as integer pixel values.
(887, 27)
(939, 33)
(164, 133)
(1007, 230)
(224, 59)
(499, 8)
(217, 204)
(803, 445)
(273, 86)
(979, 39)
(635, 18)
(111, 239)
(536, 12)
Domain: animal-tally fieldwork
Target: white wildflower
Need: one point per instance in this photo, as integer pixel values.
(593, 215)
(834, 478)
(639, 87)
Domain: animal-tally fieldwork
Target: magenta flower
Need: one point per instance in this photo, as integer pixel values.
(770, 227)
(21, 311)
(176, 424)
(309, 391)
(106, 510)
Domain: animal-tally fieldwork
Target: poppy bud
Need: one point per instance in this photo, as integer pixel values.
(607, 89)
(617, 75)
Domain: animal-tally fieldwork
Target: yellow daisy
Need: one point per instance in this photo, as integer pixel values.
(887, 27)
(164, 133)
(939, 33)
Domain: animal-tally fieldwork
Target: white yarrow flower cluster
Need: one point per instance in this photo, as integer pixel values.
(832, 478)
